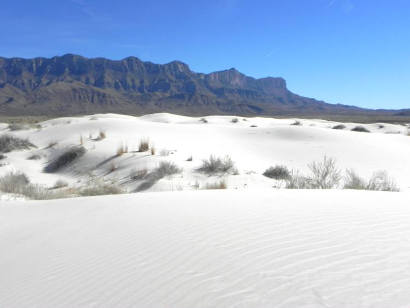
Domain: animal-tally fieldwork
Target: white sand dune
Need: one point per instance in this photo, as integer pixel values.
(253, 143)
(230, 248)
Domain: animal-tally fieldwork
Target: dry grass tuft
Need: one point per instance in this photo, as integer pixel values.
(122, 149)
(99, 189)
(102, 135)
(217, 185)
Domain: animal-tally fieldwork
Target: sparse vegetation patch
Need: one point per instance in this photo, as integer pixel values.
(379, 181)
(98, 189)
(18, 183)
(10, 143)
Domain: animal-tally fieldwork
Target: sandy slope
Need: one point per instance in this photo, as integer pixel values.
(253, 143)
(249, 246)
(208, 249)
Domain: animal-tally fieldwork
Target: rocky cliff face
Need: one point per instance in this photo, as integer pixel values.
(72, 84)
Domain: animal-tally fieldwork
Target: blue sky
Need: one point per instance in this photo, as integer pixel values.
(355, 52)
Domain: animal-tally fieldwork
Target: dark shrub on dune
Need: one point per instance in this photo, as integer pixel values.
(360, 129)
(277, 173)
(65, 159)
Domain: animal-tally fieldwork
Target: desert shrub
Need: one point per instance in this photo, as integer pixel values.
(216, 185)
(381, 181)
(324, 174)
(2, 156)
(296, 123)
(189, 158)
(143, 146)
(354, 181)
(98, 189)
(339, 126)
(203, 120)
(380, 126)
(16, 126)
(215, 165)
(278, 173)
(136, 175)
(253, 125)
(298, 181)
(235, 120)
(18, 183)
(166, 168)
(153, 150)
(65, 159)
(10, 143)
(34, 157)
(13, 182)
(360, 129)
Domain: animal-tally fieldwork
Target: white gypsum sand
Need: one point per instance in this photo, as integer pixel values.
(282, 248)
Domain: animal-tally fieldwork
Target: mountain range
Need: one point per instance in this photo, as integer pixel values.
(72, 84)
